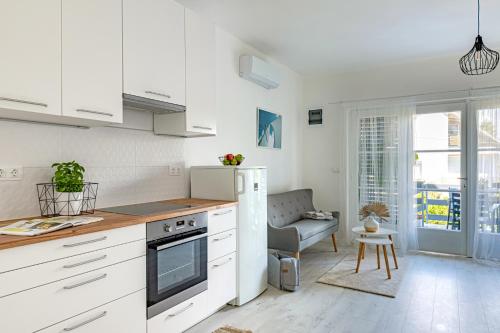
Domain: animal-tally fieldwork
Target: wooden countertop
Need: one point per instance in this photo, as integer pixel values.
(112, 221)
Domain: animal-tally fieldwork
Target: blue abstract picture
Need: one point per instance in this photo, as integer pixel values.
(269, 129)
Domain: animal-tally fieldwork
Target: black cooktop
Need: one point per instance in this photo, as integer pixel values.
(149, 208)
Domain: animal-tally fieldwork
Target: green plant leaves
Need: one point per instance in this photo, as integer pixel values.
(68, 176)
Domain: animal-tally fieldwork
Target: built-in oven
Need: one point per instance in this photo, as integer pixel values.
(176, 261)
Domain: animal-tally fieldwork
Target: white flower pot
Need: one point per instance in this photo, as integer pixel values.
(371, 224)
(69, 203)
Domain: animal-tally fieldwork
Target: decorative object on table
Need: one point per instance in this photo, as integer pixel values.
(230, 329)
(371, 212)
(231, 159)
(480, 59)
(67, 194)
(68, 178)
(269, 126)
(314, 215)
(42, 226)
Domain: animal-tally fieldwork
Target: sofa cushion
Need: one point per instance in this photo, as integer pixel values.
(308, 228)
(286, 208)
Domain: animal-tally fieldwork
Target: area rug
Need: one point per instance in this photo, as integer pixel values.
(369, 279)
(229, 329)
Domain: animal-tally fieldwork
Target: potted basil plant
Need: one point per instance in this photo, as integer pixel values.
(68, 181)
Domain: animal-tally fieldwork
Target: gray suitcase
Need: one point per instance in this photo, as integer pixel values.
(283, 271)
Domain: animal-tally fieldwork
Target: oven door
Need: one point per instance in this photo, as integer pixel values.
(177, 270)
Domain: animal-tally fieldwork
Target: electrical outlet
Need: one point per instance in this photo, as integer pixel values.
(11, 173)
(174, 170)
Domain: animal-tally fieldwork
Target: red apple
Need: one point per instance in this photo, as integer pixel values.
(230, 157)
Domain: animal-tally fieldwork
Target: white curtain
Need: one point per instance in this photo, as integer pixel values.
(486, 244)
(381, 162)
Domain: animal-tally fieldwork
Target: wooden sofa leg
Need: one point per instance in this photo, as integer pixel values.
(334, 242)
(297, 255)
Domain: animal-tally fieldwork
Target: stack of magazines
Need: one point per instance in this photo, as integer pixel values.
(44, 225)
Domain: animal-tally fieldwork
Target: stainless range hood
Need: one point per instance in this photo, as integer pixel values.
(151, 105)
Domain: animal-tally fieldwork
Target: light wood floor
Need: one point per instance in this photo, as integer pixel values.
(438, 294)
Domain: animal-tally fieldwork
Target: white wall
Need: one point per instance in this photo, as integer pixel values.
(325, 146)
(132, 165)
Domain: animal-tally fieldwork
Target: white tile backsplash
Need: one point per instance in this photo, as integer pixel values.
(130, 166)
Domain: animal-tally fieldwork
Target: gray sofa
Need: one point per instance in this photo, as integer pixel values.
(288, 231)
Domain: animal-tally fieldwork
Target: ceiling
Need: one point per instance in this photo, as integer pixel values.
(331, 36)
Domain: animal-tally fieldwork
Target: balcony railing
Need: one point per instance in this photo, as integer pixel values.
(441, 208)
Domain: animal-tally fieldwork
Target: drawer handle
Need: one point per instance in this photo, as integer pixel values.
(22, 101)
(222, 238)
(86, 242)
(79, 284)
(180, 311)
(157, 94)
(225, 262)
(88, 321)
(223, 213)
(95, 112)
(203, 127)
(86, 262)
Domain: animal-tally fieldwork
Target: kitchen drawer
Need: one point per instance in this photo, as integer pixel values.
(181, 317)
(221, 220)
(221, 244)
(22, 279)
(28, 255)
(51, 303)
(125, 315)
(221, 282)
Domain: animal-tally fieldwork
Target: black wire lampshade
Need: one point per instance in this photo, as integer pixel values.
(480, 59)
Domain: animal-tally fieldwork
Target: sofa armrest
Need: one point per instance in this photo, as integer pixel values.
(336, 214)
(285, 239)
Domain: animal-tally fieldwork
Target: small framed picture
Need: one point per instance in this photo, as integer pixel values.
(269, 127)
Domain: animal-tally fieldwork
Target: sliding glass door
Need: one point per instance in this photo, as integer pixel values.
(440, 177)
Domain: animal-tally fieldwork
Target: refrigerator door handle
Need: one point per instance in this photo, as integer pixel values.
(242, 175)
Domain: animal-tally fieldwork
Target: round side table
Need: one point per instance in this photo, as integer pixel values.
(381, 233)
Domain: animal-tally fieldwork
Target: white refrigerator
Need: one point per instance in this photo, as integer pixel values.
(248, 186)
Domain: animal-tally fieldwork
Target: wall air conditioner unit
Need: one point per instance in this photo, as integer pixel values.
(257, 70)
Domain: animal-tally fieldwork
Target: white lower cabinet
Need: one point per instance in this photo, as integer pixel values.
(125, 315)
(221, 282)
(221, 244)
(180, 317)
(56, 301)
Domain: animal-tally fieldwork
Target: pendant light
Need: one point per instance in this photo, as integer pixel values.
(480, 59)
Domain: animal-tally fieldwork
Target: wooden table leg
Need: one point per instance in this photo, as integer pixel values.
(393, 252)
(360, 251)
(297, 255)
(386, 262)
(378, 257)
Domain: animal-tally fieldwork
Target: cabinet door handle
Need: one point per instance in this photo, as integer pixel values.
(88, 321)
(203, 127)
(95, 112)
(22, 101)
(222, 238)
(223, 213)
(85, 262)
(79, 284)
(157, 94)
(86, 242)
(222, 264)
(180, 311)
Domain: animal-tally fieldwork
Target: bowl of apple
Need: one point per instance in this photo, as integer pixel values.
(231, 159)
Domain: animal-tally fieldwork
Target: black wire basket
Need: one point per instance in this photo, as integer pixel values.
(55, 203)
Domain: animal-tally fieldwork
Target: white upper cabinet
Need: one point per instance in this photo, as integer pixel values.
(200, 74)
(92, 59)
(154, 57)
(30, 58)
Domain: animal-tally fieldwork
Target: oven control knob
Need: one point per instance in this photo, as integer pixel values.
(192, 223)
(167, 227)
